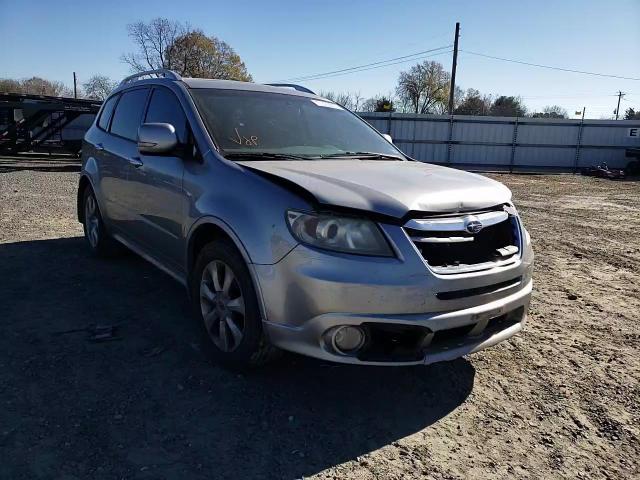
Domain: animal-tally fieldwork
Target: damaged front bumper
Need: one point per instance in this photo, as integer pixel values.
(412, 339)
(409, 314)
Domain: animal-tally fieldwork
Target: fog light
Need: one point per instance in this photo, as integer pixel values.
(348, 339)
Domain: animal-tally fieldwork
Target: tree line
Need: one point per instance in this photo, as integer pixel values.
(424, 88)
(163, 43)
(97, 87)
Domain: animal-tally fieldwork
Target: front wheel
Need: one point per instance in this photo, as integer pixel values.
(225, 302)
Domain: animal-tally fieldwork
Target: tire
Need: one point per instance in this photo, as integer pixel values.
(95, 233)
(227, 308)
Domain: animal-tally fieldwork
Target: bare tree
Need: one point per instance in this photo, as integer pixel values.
(164, 43)
(424, 88)
(35, 86)
(369, 105)
(357, 100)
(379, 103)
(551, 111)
(9, 85)
(98, 87)
(346, 99)
(153, 41)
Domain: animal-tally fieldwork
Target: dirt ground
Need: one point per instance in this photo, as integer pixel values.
(561, 400)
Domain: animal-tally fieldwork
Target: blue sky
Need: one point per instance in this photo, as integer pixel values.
(284, 39)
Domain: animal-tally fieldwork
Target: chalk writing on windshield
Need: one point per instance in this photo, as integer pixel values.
(242, 140)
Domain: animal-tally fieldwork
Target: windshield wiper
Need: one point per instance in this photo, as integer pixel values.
(264, 156)
(363, 156)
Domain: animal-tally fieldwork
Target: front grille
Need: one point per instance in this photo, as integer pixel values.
(449, 245)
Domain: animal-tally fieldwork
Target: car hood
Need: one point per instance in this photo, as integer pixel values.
(387, 187)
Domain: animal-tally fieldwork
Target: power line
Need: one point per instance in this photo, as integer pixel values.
(379, 64)
(382, 66)
(544, 97)
(357, 68)
(549, 67)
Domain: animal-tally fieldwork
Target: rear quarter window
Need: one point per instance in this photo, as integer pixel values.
(107, 111)
(128, 114)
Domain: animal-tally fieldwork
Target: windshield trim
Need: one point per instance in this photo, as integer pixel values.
(294, 93)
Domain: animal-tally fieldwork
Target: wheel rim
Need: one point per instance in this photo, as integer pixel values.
(222, 306)
(92, 222)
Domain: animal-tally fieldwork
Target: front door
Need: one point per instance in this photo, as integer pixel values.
(155, 185)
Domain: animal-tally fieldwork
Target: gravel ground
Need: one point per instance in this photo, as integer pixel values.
(561, 400)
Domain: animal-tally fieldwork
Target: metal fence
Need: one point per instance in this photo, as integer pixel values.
(508, 143)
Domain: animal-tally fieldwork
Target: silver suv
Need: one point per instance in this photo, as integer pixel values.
(296, 225)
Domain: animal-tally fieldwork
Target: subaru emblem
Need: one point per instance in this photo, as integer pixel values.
(472, 224)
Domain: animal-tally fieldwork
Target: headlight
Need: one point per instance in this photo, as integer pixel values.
(341, 234)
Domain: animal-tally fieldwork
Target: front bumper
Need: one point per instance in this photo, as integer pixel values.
(396, 300)
(510, 311)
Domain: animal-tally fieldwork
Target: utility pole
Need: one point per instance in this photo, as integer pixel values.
(583, 109)
(75, 86)
(453, 68)
(620, 95)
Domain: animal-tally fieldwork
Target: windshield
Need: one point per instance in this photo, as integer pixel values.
(254, 123)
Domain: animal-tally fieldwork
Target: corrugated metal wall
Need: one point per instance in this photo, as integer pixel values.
(507, 142)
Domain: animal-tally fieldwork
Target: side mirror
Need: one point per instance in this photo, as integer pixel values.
(157, 138)
(387, 137)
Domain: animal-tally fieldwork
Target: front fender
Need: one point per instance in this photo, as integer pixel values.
(221, 224)
(248, 207)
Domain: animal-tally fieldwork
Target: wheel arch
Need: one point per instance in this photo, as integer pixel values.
(208, 229)
(83, 184)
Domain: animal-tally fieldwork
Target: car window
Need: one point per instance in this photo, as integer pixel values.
(266, 122)
(128, 114)
(105, 116)
(164, 107)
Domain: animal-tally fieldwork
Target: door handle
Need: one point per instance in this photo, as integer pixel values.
(136, 162)
(99, 147)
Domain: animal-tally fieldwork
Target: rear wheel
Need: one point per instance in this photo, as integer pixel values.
(95, 233)
(224, 300)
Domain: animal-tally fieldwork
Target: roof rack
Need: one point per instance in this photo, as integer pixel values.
(299, 88)
(161, 72)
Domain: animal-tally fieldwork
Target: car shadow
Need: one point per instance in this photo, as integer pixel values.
(149, 403)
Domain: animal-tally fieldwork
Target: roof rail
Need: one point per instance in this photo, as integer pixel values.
(299, 88)
(161, 72)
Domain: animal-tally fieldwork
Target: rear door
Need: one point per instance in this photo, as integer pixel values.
(155, 183)
(112, 171)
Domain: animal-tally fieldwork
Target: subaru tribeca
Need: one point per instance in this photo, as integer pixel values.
(295, 225)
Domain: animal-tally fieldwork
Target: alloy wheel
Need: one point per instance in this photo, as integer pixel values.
(92, 221)
(222, 305)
